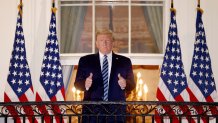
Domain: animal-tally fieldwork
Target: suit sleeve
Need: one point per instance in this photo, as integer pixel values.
(81, 75)
(130, 83)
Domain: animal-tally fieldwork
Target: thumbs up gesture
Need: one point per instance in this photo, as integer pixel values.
(121, 82)
(88, 81)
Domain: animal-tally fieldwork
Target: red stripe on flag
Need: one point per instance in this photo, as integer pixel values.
(200, 109)
(28, 109)
(192, 96)
(43, 109)
(160, 95)
(184, 108)
(56, 111)
(213, 109)
(12, 109)
(63, 92)
(167, 109)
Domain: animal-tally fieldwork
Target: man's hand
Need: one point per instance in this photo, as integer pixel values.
(121, 82)
(88, 82)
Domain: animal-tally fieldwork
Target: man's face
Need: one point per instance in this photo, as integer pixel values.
(104, 43)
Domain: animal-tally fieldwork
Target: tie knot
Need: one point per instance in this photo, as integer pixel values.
(105, 56)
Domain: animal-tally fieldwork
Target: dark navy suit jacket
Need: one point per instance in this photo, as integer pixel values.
(91, 64)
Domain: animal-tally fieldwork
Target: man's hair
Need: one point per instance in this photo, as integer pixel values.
(104, 32)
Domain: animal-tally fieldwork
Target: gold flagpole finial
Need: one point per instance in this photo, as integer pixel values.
(199, 7)
(172, 7)
(53, 9)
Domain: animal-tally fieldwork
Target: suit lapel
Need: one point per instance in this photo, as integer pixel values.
(97, 64)
(113, 66)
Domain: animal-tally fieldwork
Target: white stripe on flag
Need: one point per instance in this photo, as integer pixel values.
(59, 96)
(42, 93)
(29, 94)
(196, 91)
(165, 91)
(9, 91)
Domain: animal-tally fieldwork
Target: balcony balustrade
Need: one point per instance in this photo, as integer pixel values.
(131, 111)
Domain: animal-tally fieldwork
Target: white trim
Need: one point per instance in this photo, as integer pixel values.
(93, 27)
(149, 59)
(88, 4)
(106, 4)
(130, 27)
(111, 0)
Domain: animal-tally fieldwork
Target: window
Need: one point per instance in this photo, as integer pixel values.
(137, 26)
(138, 31)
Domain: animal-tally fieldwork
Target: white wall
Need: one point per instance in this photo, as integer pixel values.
(36, 19)
(186, 19)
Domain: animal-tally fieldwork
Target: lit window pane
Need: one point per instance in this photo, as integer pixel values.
(146, 29)
(116, 19)
(76, 29)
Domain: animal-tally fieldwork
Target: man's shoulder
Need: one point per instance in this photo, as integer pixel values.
(121, 57)
(89, 56)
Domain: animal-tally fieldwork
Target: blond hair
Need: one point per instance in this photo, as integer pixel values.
(104, 32)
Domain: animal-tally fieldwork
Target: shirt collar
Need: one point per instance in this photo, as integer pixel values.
(109, 55)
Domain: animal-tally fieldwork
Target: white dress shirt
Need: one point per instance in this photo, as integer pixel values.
(109, 59)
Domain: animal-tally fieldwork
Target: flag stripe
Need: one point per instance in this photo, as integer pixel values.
(43, 109)
(11, 109)
(163, 93)
(197, 93)
(11, 95)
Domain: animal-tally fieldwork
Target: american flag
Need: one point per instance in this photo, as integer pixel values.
(173, 83)
(201, 76)
(51, 87)
(19, 84)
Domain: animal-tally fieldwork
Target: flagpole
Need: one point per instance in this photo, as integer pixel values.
(172, 4)
(172, 7)
(20, 7)
(53, 3)
(199, 3)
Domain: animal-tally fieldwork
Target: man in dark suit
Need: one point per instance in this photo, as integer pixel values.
(101, 83)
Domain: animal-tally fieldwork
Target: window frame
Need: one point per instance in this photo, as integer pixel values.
(136, 58)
